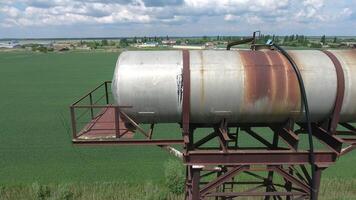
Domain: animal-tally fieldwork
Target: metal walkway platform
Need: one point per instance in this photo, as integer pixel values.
(103, 127)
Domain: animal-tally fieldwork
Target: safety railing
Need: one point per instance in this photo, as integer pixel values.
(90, 107)
(97, 120)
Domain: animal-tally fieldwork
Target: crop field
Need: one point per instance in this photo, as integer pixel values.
(38, 161)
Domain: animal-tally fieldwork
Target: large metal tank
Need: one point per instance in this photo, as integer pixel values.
(241, 86)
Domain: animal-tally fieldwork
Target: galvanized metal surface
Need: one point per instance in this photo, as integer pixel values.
(241, 86)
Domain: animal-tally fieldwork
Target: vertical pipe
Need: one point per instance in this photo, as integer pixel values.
(270, 175)
(237, 138)
(186, 96)
(195, 183)
(91, 108)
(74, 126)
(317, 182)
(187, 182)
(288, 185)
(106, 92)
(117, 121)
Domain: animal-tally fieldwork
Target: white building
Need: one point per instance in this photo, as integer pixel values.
(188, 47)
(169, 42)
(148, 44)
(9, 45)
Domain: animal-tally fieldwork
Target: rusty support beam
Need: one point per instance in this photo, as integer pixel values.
(331, 141)
(288, 136)
(348, 126)
(258, 137)
(132, 122)
(340, 92)
(255, 194)
(269, 179)
(205, 140)
(106, 93)
(195, 183)
(292, 179)
(221, 179)
(221, 139)
(186, 96)
(263, 157)
(150, 132)
(127, 142)
(318, 172)
(117, 122)
(73, 120)
(347, 149)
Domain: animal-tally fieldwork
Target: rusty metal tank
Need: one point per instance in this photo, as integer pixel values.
(242, 86)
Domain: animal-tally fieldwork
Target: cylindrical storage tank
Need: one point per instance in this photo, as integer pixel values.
(242, 86)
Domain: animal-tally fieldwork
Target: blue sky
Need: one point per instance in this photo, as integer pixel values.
(121, 18)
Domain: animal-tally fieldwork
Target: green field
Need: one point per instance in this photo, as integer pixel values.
(35, 148)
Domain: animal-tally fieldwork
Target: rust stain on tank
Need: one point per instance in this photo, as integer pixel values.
(269, 78)
(258, 76)
(280, 86)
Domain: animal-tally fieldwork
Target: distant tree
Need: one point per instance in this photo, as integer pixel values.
(123, 43)
(104, 42)
(167, 38)
(276, 39)
(285, 39)
(92, 45)
(42, 49)
(315, 45)
(323, 39)
(335, 40)
(205, 39)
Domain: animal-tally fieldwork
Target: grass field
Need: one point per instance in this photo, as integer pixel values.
(35, 148)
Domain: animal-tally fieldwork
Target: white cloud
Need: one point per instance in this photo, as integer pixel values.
(10, 11)
(248, 13)
(314, 11)
(230, 17)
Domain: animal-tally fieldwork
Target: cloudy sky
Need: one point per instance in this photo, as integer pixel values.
(117, 18)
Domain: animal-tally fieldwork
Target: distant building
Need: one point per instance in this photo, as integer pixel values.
(148, 44)
(209, 45)
(349, 44)
(62, 46)
(188, 47)
(10, 45)
(83, 47)
(169, 42)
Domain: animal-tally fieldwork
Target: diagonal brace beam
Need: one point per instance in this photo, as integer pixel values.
(288, 136)
(292, 179)
(221, 179)
(258, 137)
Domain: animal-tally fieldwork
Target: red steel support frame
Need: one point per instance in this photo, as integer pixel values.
(275, 160)
(340, 92)
(213, 171)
